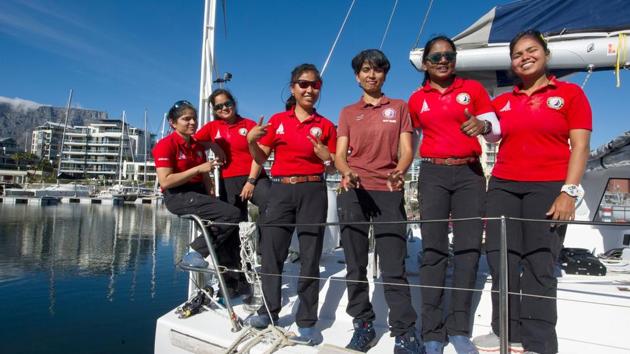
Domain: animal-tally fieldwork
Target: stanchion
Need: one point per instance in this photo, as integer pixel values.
(503, 291)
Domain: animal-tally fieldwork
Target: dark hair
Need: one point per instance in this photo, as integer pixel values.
(295, 75)
(225, 92)
(533, 34)
(178, 108)
(427, 49)
(374, 57)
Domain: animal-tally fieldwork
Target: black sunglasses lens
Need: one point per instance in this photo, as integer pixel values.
(182, 103)
(303, 84)
(226, 104)
(436, 57)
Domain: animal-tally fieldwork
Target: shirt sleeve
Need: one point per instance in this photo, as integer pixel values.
(205, 133)
(579, 112)
(331, 137)
(270, 137)
(481, 101)
(342, 129)
(405, 119)
(413, 110)
(164, 154)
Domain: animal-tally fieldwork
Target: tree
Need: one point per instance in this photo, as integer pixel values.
(26, 157)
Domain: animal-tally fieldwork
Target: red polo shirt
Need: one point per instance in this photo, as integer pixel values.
(232, 138)
(535, 130)
(174, 152)
(294, 155)
(373, 133)
(441, 114)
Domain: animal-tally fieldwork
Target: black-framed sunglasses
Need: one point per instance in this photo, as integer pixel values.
(220, 106)
(436, 57)
(304, 84)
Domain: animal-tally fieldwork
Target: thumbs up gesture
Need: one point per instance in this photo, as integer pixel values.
(472, 126)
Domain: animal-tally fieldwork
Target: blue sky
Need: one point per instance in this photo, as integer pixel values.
(130, 55)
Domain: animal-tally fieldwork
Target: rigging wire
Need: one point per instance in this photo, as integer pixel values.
(426, 17)
(391, 16)
(332, 49)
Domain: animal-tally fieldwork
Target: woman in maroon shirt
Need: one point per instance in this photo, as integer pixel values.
(546, 126)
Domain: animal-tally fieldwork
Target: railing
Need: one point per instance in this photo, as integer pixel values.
(503, 265)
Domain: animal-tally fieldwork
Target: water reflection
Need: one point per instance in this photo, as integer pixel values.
(94, 254)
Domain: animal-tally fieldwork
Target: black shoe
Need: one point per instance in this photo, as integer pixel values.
(408, 343)
(364, 336)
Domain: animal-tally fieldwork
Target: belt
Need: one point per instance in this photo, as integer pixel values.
(297, 179)
(450, 161)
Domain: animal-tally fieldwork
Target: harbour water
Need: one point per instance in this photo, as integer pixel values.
(87, 278)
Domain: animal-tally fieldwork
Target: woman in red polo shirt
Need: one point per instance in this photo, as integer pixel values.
(183, 173)
(303, 143)
(451, 112)
(546, 127)
(242, 179)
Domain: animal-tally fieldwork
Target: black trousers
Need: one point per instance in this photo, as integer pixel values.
(533, 250)
(230, 190)
(459, 192)
(288, 204)
(391, 248)
(193, 199)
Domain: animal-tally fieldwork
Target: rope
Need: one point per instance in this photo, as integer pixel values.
(621, 48)
(332, 49)
(391, 16)
(588, 75)
(426, 16)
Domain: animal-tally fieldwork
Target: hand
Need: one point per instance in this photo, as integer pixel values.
(319, 148)
(563, 208)
(350, 180)
(247, 192)
(257, 131)
(206, 167)
(219, 154)
(472, 126)
(395, 180)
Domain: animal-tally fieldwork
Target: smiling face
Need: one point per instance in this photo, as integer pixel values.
(224, 107)
(371, 78)
(442, 69)
(529, 59)
(186, 124)
(304, 91)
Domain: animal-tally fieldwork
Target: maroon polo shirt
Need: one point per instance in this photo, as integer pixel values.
(373, 133)
(232, 138)
(293, 152)
(175, 153)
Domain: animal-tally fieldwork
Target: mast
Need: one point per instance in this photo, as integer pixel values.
(120, 150)
(63, 135)
(145, 147)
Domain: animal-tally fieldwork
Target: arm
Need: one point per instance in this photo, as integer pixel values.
(248, 188)
(168, 179)
(563, 208)
(349, 178)
(396, 178)
(416, 139)
(207, 184)
(260, 153)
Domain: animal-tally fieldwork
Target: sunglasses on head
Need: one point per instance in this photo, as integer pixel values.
(304, 84)
(436, 57)
(220, 106)
(181, 103)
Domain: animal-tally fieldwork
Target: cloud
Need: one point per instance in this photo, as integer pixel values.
(20, 104)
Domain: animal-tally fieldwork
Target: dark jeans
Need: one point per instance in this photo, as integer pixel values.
(533, 250)
(458, 191)
(230, 190)
(289, 204)
(193, 199)
(391, 248)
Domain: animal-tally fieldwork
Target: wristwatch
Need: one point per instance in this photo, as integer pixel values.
(328, 163)
(252, 180)
(487, 127)
(573, 190)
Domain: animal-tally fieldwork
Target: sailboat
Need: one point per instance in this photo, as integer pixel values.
(594, 312)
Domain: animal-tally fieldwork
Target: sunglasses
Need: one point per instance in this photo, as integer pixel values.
(435, 58)
(304, 84)
(181, 103)
(220, 106)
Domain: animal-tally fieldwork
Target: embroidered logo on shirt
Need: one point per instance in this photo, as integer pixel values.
(181, 156)
(425, 107)
(242, 131)
(316, 132)
(506, 108)
(163, 159)
(359, 117)
(555, 102)
(463, 98)
(389, 113)
(280, 129)
(218, 136)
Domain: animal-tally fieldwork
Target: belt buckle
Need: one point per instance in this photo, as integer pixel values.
(448, 161)
(293, 179)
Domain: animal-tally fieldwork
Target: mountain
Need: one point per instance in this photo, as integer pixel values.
(18, 117)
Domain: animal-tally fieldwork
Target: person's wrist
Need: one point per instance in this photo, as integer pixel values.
(251, 181)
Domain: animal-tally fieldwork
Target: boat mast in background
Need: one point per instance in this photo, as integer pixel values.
(63, 136)
(145, 148)
(120, 150)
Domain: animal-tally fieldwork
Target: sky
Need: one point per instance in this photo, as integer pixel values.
(145, 54)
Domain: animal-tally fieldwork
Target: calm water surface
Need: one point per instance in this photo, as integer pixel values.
(87, 278)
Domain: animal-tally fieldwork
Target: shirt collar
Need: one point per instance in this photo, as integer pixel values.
(238, 121)
(457, 83)
(383, 100)
(315, 117)
(553, 82)
(181, 141)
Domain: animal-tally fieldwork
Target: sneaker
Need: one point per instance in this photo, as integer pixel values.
(259, 321)
(364, 336)
(307, 336)
(194, 259)
(408, 343)
(463, 345)
(490, 343)
(434, 347)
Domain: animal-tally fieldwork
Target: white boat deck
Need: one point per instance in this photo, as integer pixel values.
(599, 323)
